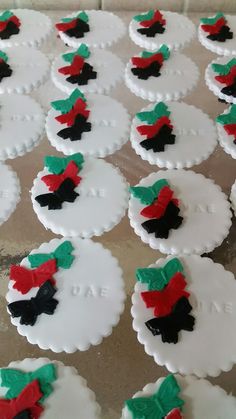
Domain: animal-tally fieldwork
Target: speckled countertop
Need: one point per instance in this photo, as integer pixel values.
(119, 366)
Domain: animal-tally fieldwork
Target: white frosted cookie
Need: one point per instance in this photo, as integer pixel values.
(161, 27)
(233, 197)
(102, 28)
(200, 399)
(98, 127)
(173, 79)
(64, 392)
(218, 34)
(9, 192)
(34, 28)
(95, 205)
(27, 69)
(173, 135)
(226, 125)
(219, 77)
(193, 216)
(22, 125)
(88, 288)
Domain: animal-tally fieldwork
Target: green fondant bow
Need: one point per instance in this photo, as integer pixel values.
(164, 50)
(211, 20)
(144, 16)
(159, 110)
(65, 105)
(83, 16)
(57, 165)
(3, 56)
(83, 51)
(227, 118)
(62, 254)
(223, 69)
(17, 380)
(5, 15)
(158, 278)
(159, 404)
(148, 194)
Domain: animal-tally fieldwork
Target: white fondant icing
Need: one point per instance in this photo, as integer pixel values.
(21, 125)
(202, 399)
(101, 205)
(211, 347)
(110, 128)
(9, 192)
(71, 398)
(179, 31)
(233, 197)
(213, 84)
(102, 62)
(29, 69)
(191, 127)
(226, 141)
(105, 29)
(179, 75)
(34, 30)
(228, 47)
(203, 206)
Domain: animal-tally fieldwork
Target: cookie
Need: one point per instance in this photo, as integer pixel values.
(9, 192)
(220, 78)
(233, 197)
(226, 125)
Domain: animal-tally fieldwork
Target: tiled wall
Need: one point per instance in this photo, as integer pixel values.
(178, 5)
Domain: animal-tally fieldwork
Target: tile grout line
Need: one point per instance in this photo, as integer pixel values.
(186, 7)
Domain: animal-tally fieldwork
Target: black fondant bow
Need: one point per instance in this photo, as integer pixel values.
(144, 73)
(169, 326)
(10, 29)
(65, 193)
(230, 90)
(5, 70)
(151, 31)
(162, 226)
(79, 30)
(75, 131)
(23, 415)
(29, 310)
(87, 73)
(222, 35)
(158, 142)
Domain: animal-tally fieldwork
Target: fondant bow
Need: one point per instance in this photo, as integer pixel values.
(158, 208)
(151, 130)
(57, 165)
(157, 406)
(70, 23)
(158, 142)
(169, 326)
(74, 68)
(5, 69)
(62, 255)
(54, 200)
(25, 279)
(16, 380)
(229, 78)
(161, 226)
(25, 403)
(151, 18)
(229, 90)
(74, 132)
(80, 107)
(54, 181)
(65, 105)
(87, 73)
(223, 69)
(83, 51)
(212, 29)
(144, 62)
(159, 110)
(163, 301)
(29, 310)
(148, 194)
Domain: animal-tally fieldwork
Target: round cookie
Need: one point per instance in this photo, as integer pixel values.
(220, 78)
(96, 125)
(95, 205)
(173, 135)
(22, 69)
(34, 28)
(94, 77)
(22, 125)
(226, 125)
(64, 392)
(161, 75)
(233, 197)
(9, 192)
(175, 322)
(218, 34)
(95, 28)
(201, 399)
(181, 218)
(152, 29)
(87, 285)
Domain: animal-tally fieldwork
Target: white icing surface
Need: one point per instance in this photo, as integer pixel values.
(110, 128)
(71, 398)
(9, 192)
(233, 197)
(191, 126)
(21, 125)
(105, 29)
(213, 298)
(91, 299)
(204, 207)
(179, 75)
(29, 69)
(226, 141)
(222, 48)
(179, 31)
(101, 205)
(102, 61)
(202, 399)
(35, 29)
(213, 84)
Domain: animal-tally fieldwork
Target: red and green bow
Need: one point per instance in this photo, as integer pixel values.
(147, 58)
(156, 119)
(214, 24)
(228, 121)
(68, 23)
(226, 72)
(75, 104)
(63, 168)
(76, 60)
(148, 19)
(6, 17)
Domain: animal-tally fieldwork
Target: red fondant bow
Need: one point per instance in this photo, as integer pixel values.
(75, 67)
(151, 130)
(158, 208)
(175, 414)
(230, 129)
(27, 400)
(164, 300)
(54, 181)
(158, 17)
(229, 78)
(13, 19)
(212, 29)
(25, 279)
(78, 108)
(65, 26)
(142, 62)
